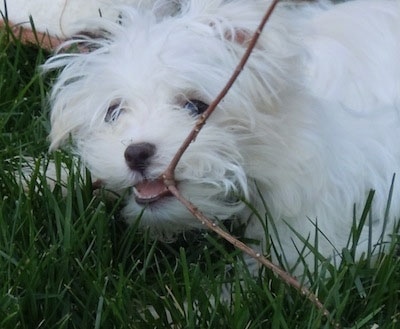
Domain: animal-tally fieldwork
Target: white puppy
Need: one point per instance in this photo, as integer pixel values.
(310, 127)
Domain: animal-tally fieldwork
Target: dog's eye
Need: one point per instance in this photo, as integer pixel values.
(113, 112)
(195, 107)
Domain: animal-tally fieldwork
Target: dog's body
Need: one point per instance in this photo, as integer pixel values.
(310, 127)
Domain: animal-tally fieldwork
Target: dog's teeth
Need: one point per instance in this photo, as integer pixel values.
(149, 191)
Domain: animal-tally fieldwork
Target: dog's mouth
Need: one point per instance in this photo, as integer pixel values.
(150, 191)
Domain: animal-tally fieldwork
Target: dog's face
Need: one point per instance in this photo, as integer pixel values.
(129, 104)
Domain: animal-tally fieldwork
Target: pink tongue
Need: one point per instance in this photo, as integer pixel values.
(150, 190)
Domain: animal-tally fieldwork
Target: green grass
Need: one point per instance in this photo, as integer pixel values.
(70, 262)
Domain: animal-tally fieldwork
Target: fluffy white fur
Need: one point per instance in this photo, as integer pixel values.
(310, 127)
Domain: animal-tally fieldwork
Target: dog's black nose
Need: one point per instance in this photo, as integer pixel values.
(137, 155)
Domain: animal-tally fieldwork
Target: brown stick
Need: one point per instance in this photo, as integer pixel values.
(169, 179)
(30, 37)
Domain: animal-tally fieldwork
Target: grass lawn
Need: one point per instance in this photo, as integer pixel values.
(71, 262)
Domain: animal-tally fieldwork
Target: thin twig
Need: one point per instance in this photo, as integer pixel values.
(169, 179)
(29, 36)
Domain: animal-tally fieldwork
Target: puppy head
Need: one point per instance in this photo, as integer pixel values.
(128, 104)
